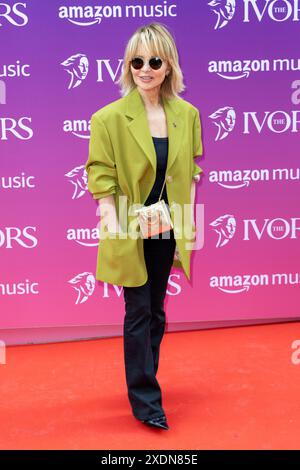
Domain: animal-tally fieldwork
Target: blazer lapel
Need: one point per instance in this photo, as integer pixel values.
(139, 126)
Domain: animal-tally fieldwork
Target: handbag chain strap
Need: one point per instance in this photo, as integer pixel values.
(162, 189)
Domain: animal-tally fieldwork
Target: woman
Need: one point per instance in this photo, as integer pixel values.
(138, 142)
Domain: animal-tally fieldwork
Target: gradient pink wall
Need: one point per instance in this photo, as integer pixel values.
(248, 268)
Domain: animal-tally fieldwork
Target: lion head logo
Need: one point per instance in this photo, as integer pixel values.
(84, 284)
(224, 119)
(224, 9)
(225, 226)
(78, 177)
(77, 66)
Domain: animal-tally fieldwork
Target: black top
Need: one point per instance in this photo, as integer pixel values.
(161, 145)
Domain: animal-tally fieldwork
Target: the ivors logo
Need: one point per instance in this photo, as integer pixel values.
(13, 13)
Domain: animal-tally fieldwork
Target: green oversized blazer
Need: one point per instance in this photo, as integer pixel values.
(122, 162)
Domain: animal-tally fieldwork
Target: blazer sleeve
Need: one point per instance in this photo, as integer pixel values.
(100, 165)
(197, 145)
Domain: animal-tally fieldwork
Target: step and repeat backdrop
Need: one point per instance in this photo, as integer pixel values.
(59, 62)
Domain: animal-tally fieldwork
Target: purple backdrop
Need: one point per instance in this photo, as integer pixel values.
(241, 69)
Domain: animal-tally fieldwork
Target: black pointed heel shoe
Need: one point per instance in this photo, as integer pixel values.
(160, 422)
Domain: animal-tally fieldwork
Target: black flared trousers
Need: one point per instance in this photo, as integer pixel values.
(144, 326)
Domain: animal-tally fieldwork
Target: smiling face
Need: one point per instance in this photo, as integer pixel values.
(147, 78)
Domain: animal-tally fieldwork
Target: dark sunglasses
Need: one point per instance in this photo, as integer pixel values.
(155, 63)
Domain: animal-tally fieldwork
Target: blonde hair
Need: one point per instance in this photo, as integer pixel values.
(157, 39)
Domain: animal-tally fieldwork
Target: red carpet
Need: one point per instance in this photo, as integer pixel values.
(232, 388)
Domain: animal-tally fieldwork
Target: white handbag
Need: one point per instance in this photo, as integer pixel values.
(154, 219)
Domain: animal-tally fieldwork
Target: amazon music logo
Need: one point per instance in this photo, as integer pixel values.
(26, 287)
(241, 178)
(11, 71)
(241, 283)
(84, 236)
(78, 127)
(242, 68)
(21, 181)
(15, 70)
(89, 15)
